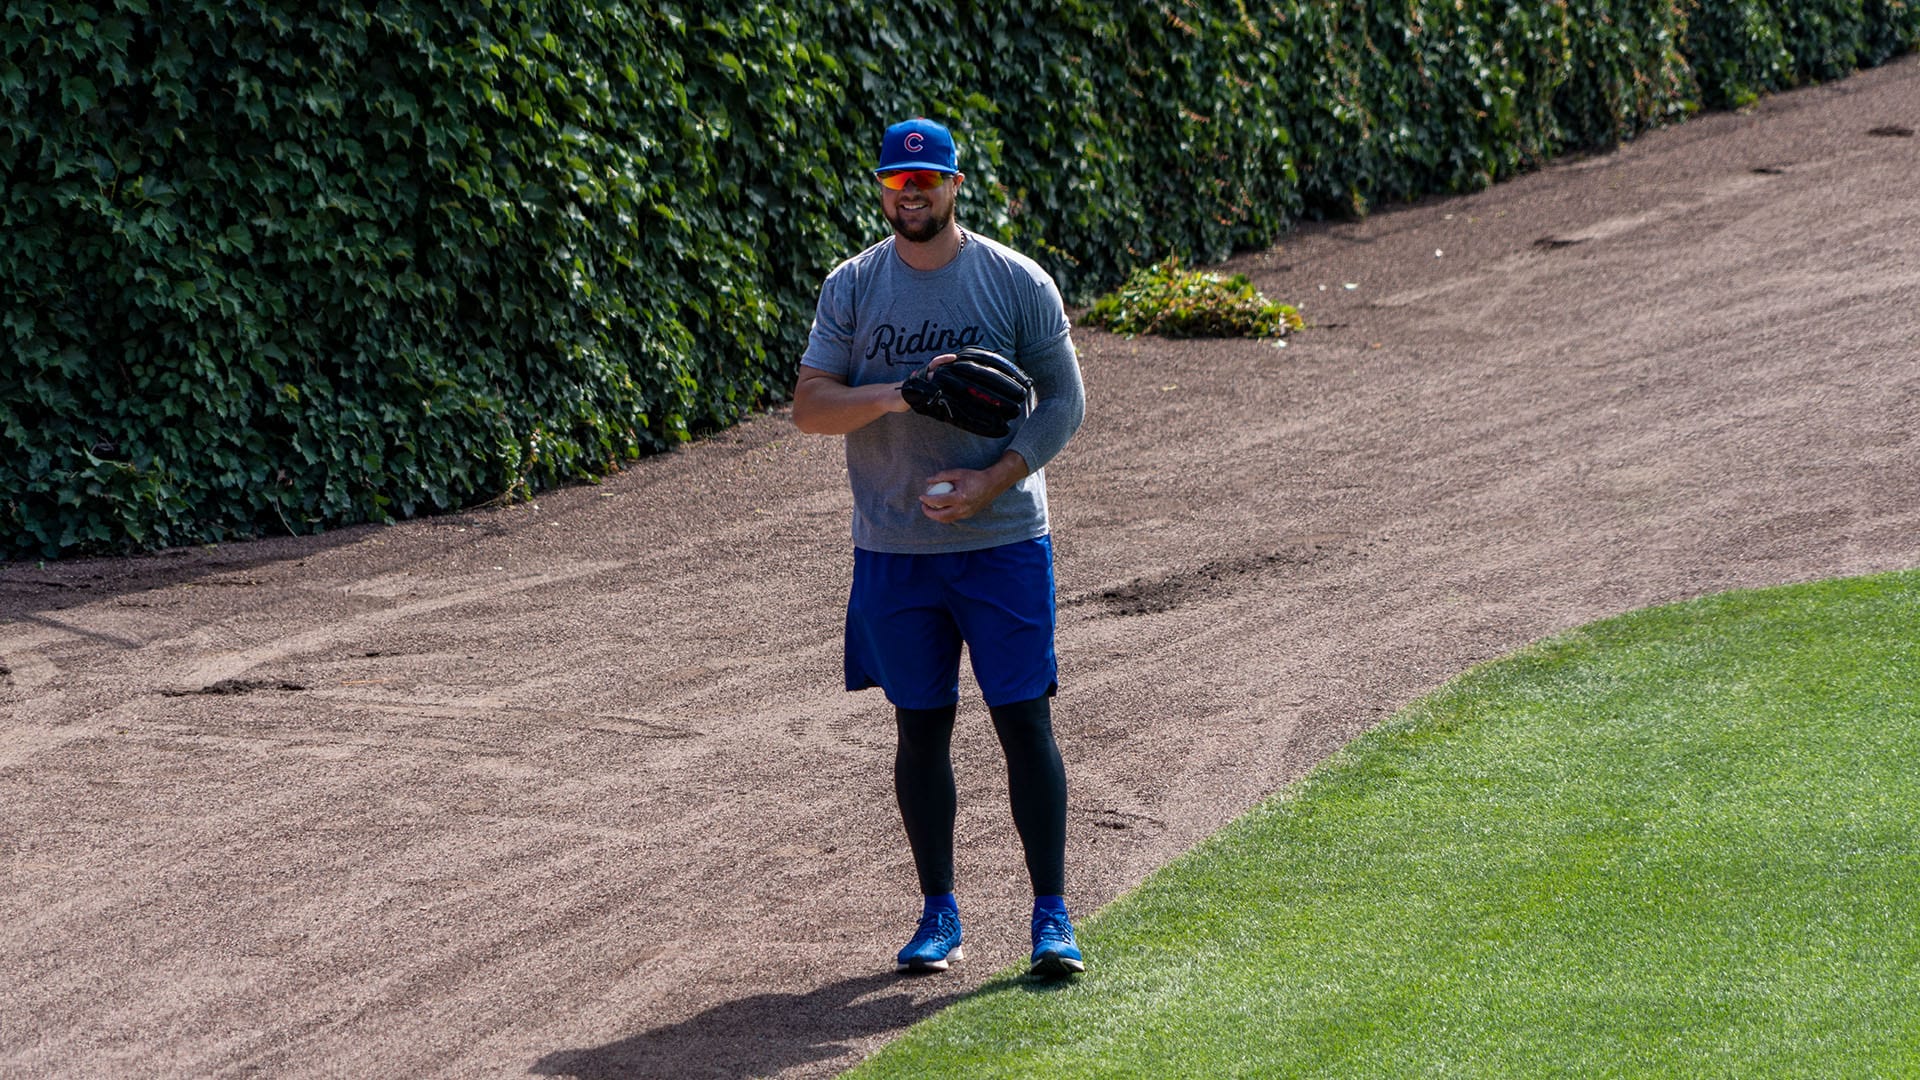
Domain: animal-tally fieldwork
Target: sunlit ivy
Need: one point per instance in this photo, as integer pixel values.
(272, 266)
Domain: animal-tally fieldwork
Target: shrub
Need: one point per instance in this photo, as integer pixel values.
(1172, 301)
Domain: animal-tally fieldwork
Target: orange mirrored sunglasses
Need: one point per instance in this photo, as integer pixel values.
(921, 179)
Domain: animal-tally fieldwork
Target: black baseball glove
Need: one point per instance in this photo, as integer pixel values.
(978, 391)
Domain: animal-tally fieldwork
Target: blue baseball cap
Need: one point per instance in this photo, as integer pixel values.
(917, 144)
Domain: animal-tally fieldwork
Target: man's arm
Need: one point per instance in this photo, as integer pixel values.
(823, 403)
(1060, 406)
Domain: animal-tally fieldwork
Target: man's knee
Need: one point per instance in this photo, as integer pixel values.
(1024, 722)
(925, 731)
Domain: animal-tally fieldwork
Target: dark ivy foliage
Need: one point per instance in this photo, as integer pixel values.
(270, 266)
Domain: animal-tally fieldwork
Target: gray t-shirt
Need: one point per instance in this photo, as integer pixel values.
(878, 319)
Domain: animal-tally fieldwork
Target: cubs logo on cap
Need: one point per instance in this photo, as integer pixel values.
(917, 144)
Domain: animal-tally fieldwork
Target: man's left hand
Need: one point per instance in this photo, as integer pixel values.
(973, 489)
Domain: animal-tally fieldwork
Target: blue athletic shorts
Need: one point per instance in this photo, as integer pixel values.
(908, 615)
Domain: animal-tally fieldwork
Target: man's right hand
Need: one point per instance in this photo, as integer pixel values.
(823, 403)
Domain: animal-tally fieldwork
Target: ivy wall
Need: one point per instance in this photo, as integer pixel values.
(269, 266)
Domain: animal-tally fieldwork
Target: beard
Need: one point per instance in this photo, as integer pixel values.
(930, 226)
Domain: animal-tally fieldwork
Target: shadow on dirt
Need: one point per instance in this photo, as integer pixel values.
(29, 586)
(759, 1035)
(32, 585)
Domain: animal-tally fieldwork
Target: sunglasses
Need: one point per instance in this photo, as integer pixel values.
(921, 179)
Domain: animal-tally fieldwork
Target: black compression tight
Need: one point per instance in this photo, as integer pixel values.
(1036, 782)
(1037, 787)
(923, 783)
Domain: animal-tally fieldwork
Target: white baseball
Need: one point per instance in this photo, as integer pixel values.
(942, 488)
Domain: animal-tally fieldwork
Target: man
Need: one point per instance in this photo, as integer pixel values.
(971, 564)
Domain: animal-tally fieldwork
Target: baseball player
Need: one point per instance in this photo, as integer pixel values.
(950, 530)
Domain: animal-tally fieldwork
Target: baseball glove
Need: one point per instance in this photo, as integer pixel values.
(979, 391)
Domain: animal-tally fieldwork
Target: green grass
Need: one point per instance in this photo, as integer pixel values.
(1683, 842)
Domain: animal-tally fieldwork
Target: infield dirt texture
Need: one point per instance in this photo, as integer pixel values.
(572, 789)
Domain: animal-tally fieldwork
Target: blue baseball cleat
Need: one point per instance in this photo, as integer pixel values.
(1055, 953)
(935, 941)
